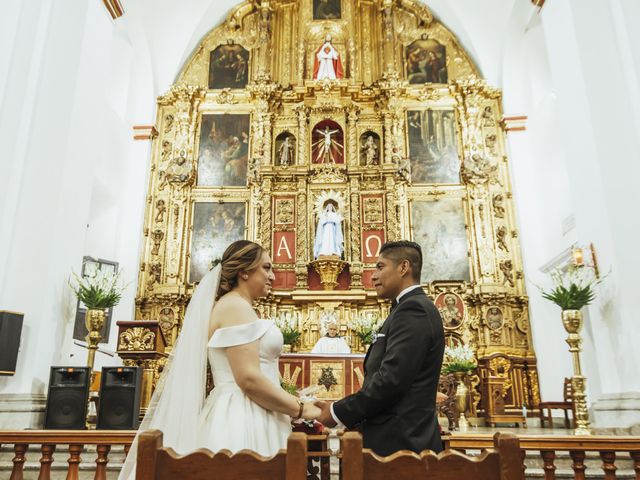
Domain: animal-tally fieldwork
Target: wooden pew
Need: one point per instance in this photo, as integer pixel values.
(503, 462)
(156, 462)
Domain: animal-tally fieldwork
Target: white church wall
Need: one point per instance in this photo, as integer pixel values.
(578, 158)
(540, 184)
(81, 182)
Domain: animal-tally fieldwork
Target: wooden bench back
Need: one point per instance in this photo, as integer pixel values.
(501, 463)
(156, 462)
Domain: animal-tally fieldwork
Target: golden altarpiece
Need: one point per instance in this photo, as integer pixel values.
(397, 132)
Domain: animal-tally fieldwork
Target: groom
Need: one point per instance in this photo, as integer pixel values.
(396, 407)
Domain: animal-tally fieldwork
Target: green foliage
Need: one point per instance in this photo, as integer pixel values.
(289, 387)
(465, 367)
(100, 291)
(290, 336)
(572, 298)
(573, 287)
(288, 325)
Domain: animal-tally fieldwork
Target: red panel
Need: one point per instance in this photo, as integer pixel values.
(284, 247)
(366, 278)
(372, 240)
(285, 279)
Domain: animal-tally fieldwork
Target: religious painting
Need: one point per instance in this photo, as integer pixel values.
(370, 149)
(224, 150)
(439, 228)
(433, 146)
(326, 9)
(494, 318)
(451, 308)
(215, 226)
(285, 150)
(327, 143)
(426, 62)
(229, 67)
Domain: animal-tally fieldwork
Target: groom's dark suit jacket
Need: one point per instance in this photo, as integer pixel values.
(396, 407)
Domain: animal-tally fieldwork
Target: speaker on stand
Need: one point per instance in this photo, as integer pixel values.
(119, 404)
(67, 398)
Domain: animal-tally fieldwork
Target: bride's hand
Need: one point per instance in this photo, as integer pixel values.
(310, 411)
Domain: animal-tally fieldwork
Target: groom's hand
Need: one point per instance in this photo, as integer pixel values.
(325, 417)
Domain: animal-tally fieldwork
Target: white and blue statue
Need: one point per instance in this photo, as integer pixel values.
(329, 239)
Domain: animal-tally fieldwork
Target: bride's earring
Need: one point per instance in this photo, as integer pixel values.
(245, 277)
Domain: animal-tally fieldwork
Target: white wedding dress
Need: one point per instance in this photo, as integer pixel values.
(227, 418)
(230, 419)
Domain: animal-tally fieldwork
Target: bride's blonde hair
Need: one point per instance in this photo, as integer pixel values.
(240, 256)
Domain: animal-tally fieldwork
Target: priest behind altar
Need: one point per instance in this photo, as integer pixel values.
(332, 342)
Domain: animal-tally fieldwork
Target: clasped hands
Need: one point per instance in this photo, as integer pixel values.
(319, 410)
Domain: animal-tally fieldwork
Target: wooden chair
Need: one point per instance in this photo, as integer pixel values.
(566, 405)
(494, 405)
(504, 462)
(156, 462)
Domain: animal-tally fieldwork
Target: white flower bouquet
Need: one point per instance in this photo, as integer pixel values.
(458, 359)
(288, 323)
(365, 326)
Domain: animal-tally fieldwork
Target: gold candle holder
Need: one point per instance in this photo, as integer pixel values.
(572, 321)
(94, 321)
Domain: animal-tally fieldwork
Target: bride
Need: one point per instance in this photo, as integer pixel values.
(247, 409)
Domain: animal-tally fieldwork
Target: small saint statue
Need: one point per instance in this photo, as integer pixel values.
(332, 342)
(370, 151)
(329, 239)
(327, 63)
(285, 152)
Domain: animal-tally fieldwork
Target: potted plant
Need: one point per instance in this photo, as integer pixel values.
(573, 288)
(460, 361)
(98, 292)
(365, 326)
(288, 325)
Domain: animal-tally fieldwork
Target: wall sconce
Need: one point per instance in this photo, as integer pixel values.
(585, 255)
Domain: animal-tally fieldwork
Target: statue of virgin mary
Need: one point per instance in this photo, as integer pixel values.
(329, 239)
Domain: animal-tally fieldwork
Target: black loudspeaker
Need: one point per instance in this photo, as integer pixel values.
(119, 407)
(67, 399)
(10, 331)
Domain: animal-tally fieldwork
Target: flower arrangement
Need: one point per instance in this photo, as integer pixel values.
(365, 326)
(289, 387)
(458, 359)
(573, 287)
(288, 324)
(99, 291)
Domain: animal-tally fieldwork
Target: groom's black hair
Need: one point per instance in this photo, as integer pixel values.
(405, 250)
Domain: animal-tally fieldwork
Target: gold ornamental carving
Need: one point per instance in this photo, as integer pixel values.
(137, 339)
(328, 268)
